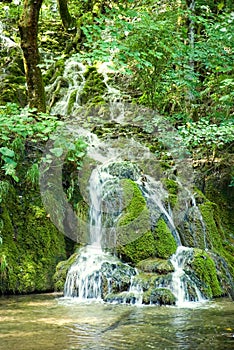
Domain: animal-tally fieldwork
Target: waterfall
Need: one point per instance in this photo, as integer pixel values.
(69, 87)
(95, 269)
(96, 274)
(155, 195)
(181, 282)
(200, 218)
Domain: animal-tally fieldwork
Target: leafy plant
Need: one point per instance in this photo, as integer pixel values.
(32, 175)
(208, 137)
(18, 127)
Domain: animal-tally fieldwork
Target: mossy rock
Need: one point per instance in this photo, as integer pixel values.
(61, 272)
(146, 280)
(124, 170)
(142, 248)
(214, 231)
(31, 245)
(159, 296)
(171, 185)
(165, 244)
(121, 298)
(156, 265)
(56, 70)
(116, 277)
(94, 87)
(205, 270)
(135, 241)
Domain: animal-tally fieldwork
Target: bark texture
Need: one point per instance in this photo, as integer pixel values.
(28, 27)
(64, 13)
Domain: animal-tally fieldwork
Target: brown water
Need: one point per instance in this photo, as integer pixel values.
(46, 322)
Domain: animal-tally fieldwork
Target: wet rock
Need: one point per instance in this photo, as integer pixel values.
(157, 265)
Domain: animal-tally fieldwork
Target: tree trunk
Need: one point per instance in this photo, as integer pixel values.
(28, 27)
(64, 13)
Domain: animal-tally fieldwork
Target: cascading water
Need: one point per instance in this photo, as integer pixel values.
(97, 274)
(96, 270)
(69, 87)
(181, 282)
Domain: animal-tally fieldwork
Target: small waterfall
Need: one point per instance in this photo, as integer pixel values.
(194, 220)
(182, 286)
(96, 270)
(69, 87)
(84, 279)
(114, 97)
(155, 195)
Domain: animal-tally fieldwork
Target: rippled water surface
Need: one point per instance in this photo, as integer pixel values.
(47, 322)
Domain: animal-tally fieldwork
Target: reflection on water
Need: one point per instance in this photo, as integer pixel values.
(45, 322)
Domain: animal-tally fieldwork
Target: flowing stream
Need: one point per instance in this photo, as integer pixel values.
(36, 322)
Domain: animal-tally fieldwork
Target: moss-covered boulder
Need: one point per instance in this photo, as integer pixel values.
(156, 265)
(122, 298)
(60, 275)
(135, 240)
(31, 245)
(94, 87)
(159, 296)
(12, 84)
(205, 270)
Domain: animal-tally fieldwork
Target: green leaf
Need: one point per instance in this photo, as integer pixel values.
(7, 152)
(57, 151)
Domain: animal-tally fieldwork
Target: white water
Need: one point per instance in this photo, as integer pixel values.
(73, 77)
(199, 215)
(86, 276)
(155, 195)
(180, 279)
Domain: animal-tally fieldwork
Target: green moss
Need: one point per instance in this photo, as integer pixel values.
(170, 185)
(172, 200)
(157, 265)
(61, 272)
(135, 241)
(140, 249)
(54, 72)
(32, 246)
(72, 100)
(205, 271)
(214, 233)
(133, 201)
(162, 296)
(165, 244)
(199, 196)
(94, 87)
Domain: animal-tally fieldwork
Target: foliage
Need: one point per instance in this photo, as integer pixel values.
(169, 71)
(18, 127)
(208, 138)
